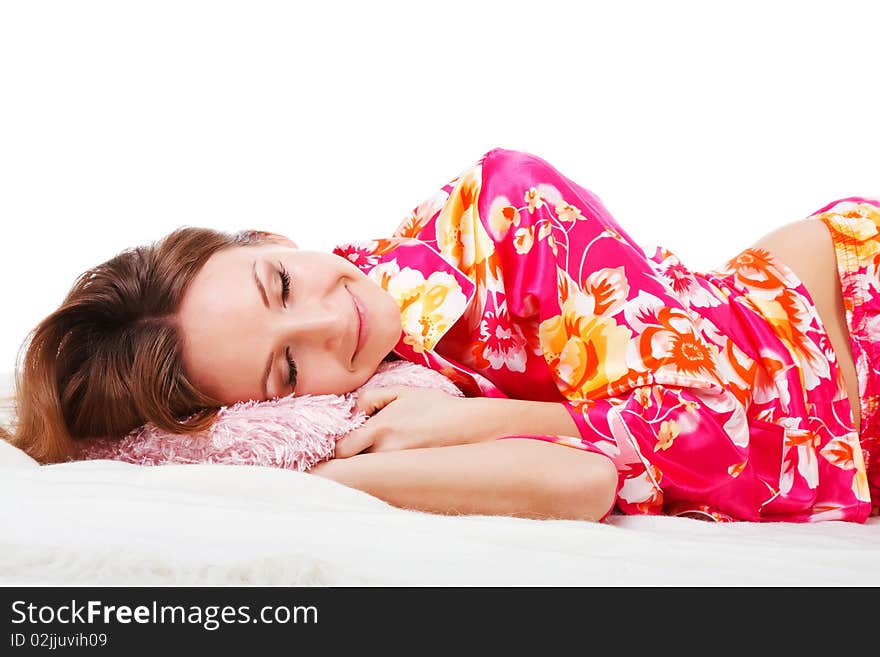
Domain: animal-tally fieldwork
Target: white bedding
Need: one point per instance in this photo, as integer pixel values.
(113, 523)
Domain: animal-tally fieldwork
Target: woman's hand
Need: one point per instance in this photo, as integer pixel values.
(401, 417)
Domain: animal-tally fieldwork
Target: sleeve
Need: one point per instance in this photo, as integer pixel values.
(636, 373)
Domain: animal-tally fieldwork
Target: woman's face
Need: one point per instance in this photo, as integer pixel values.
(270, 320)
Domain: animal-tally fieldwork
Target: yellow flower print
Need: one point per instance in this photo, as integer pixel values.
(545, 232)
(415, 343)
(428, 307)
(643, 396)
(502, 215)
(586, 351)
(854, 229)
(568, 213)
(534, 199)
(669, 430)
(524, 239)
(461, 237)
(608, 230)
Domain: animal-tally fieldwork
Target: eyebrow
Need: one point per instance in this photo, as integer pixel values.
(260, 286)
(268, 367)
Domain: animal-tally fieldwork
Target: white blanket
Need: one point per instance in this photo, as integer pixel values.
(113, 523)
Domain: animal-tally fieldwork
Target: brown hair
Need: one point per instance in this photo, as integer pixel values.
(109, 358)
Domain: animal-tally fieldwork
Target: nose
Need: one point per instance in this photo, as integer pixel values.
(318, 325)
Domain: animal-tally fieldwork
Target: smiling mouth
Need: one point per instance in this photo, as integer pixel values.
(358, 336)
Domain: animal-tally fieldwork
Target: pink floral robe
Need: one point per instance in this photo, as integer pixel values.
(715, 394)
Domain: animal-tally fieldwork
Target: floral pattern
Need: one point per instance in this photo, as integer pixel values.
(716, 394)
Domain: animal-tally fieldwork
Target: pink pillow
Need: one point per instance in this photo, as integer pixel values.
(290, 432)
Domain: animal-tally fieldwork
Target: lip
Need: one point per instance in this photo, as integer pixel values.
(363, 325)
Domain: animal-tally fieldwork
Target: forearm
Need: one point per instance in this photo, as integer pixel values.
(518, 477)
(496, 417)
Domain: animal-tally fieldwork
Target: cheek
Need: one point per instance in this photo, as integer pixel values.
(388, 311)
(221, 353)
(325, 376)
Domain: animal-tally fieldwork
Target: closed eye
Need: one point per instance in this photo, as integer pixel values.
(291, 379)
(285, 285)
(285, 296)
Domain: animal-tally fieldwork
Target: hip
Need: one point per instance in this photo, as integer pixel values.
(806, 247)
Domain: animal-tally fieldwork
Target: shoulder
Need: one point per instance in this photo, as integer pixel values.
(515, 177)
(511, 161)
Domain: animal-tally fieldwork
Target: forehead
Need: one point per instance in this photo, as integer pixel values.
(221, 272)
(219, 309)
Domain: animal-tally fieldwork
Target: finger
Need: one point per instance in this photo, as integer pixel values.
(371, 400)
(354, 442)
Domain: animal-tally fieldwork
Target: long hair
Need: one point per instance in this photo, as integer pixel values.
(109, 358)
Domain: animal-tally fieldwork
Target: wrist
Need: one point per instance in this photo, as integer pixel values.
(491, 418)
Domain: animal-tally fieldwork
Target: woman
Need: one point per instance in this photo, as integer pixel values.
(743, 393)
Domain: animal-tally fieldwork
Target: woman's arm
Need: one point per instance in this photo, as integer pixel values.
(517, 477)
(409, 418)
(497, 417)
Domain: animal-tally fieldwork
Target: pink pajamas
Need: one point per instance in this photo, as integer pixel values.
(716, 394)
(854, 223)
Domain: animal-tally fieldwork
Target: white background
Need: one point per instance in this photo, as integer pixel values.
(701, 125)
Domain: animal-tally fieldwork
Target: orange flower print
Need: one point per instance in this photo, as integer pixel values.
(610, 232)
(583, 345)
(524, 239)
(669, 343)
(412, 225)
(502, 215)
(569, 213)
(853, 227)
(608, 289)
(790, 321)
(461, 237)
(752, 268)
(750, 380)
(534, 200)
(643, 491)
(846, 453)
(643, 396)
(804, 442)
(545, 231)
(669, 430)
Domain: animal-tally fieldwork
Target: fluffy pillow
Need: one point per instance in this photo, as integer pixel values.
(290, 432)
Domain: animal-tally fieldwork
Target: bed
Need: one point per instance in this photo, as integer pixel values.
(107, 522)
